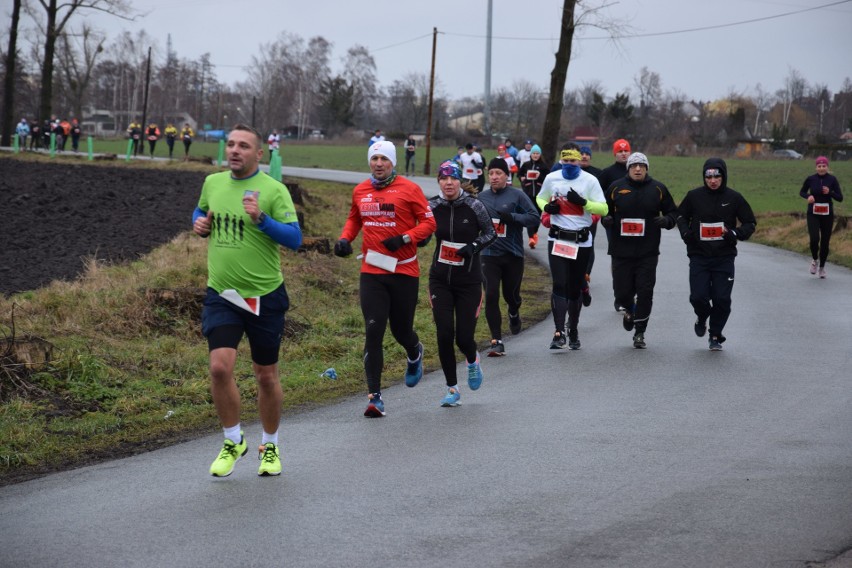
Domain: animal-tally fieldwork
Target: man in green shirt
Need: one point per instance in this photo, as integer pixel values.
(246, 215)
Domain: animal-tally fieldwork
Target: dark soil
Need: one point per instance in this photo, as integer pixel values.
(55, 216)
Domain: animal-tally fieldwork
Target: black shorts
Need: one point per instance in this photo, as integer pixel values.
(223, 324)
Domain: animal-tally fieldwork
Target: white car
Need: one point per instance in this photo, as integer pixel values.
(787, 155)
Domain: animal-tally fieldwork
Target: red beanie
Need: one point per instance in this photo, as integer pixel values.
(620, 145)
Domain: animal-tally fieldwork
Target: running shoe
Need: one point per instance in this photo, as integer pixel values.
(822, 272)
(497, 349)
(533, 241)
(627, 321)
(474, 374)
(573, 339)
(813, 266)
(558, 341)
(270, 461)
(228, 457)
(376, 406)
(700, 327)
(414, 370)
(587, 297)
(515, 323)
(451, 398)
(715, 344)
(639, 340)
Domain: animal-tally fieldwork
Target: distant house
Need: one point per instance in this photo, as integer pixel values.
(470, 123)
(102, 122)
(752, 148)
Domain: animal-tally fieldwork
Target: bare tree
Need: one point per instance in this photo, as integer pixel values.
(77, 56)
(762, 100)
(57, 16)
(360, 71)
(650, 89)
(592, 17)
(9, 80)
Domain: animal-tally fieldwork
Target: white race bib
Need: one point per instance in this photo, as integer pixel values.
(379, 260)
(499, 228)
(821, 209)
(565, 249)
(711, 231)
(448, 253)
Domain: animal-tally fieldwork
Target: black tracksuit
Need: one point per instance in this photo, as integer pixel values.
(634, 258)
(711, 260)
(820, 226)
(455, 292)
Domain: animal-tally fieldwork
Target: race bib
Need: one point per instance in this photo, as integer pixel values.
(565, 249)
(712, 231)
(448, 253)
(532, 174)
(633, 227)
(821, 209)
(499, 228)
(379, 260)
(468, 170)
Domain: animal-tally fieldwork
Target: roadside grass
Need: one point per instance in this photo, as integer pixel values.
(129, 368)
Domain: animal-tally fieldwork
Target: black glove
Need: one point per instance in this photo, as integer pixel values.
(505, 217)
(607, 221)
(424, 242)
(688, 237)
(730, 236)
(342, 248)
(574, 197)
(393, 244)
(552, 207)
(467, 250)
(662, 222)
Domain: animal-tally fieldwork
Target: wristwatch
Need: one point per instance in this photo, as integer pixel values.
(406, 238)
(261, 218)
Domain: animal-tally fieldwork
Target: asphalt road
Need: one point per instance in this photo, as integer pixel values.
(608, 456)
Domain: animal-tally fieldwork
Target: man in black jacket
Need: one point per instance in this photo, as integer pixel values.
(707, 221)
(639, 208)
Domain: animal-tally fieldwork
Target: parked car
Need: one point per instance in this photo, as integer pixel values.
(787, 154)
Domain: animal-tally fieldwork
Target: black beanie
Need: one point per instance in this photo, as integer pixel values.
(499, 164)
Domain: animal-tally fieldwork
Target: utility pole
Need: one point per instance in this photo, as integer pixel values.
(143, 126)
(487, 110)
(427, 165)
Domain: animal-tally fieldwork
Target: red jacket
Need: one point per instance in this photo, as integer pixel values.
(400, 208)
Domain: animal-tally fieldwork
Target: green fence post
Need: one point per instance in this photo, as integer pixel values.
(129, 149)
(91, 148)
(16, 144)
(221, 153)
(52, 144)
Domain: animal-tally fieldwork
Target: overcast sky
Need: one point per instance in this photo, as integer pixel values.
(731, 45)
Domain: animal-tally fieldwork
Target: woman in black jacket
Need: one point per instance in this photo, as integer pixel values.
(821, 190)
(464, 228)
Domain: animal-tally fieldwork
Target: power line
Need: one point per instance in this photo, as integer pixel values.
(673, 32)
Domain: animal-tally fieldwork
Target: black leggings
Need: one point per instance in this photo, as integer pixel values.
(456, 310)
(819, 229)
(387, 298)
(506, 270)
(569, 279)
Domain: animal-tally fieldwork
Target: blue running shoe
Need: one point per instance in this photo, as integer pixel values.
(451, 398)
(474, 374)
(376, 406)
(414, 370)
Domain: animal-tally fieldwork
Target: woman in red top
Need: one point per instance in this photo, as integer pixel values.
(393, 216)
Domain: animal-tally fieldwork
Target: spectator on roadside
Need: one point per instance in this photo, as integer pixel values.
(65, 131)
(274, 142)
(35, 136)
(152, 134)
(377, 137)
(186, 134)
(171, 135)
(22, 130)
(410, 147)
(76, 131)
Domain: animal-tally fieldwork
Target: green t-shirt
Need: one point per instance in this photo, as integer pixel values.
(239, 255)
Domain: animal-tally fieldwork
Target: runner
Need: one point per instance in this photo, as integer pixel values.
(569, 196)
(821, 190)
(394, 216)
(503, 261)
(618, 170)
(532, 174)
(707, 221)
(586, 164)
(246, 215)
(472, 164)
(635, 204)
(464, 228)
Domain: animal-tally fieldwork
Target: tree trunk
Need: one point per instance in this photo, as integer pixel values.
(553, 117)
(45, 109)
(9, 82)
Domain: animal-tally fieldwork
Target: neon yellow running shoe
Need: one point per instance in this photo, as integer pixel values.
(228, 457)
(270, 461)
